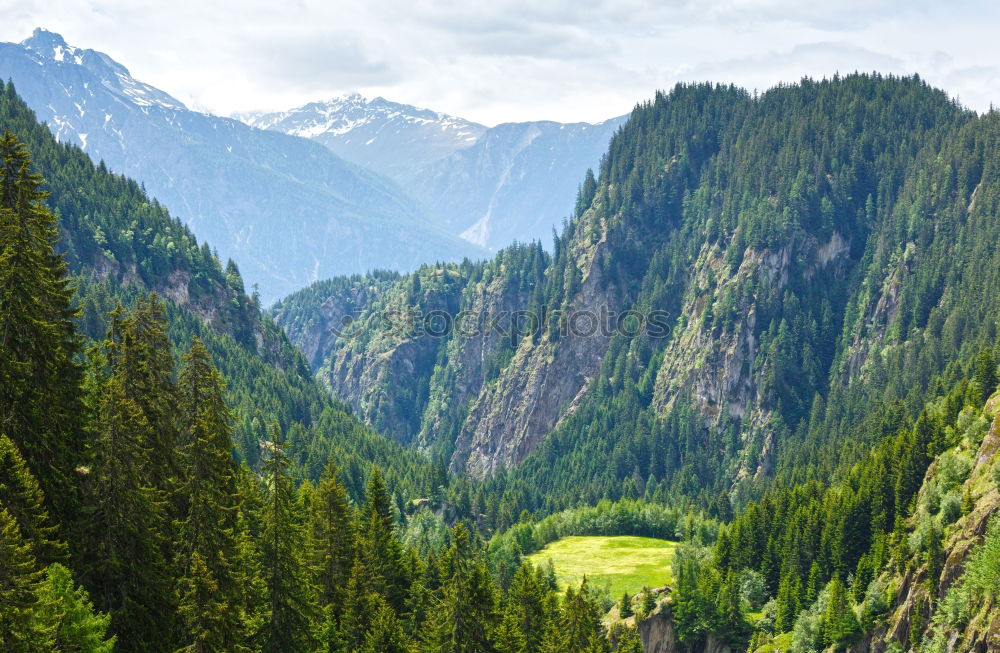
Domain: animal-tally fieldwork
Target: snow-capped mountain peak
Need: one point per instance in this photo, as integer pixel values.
(50, 49)
(374, 132)
(51, 46)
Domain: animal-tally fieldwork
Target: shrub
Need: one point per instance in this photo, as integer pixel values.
(952, 470)
(951, 508)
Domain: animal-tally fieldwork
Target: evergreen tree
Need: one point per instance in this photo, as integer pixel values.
(250, 577)
(329, 639)
(78, 629)
(208, 500)
(629, 642)
(40, 380)
(508, 637)
(379, 547)
(984, 378)
(22, 497)
(289, 625)
(386, 634)
(358, 607)
(124, 568)
(580, 624)
(204, 611)
(788, 603)
(731, 624)
(140, 354)
(21, 626)
(527, 601)
(840, 626)
(625, 606)
(331, 539)
(648, 602)
(466, 619)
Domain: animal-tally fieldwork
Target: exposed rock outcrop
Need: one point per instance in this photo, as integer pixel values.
(540, 386)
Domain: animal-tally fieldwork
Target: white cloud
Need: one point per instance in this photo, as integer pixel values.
(517, 59)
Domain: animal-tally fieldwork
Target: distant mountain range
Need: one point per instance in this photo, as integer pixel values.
(287, 210)
(492, 186)
(393, 139)
(395, 186)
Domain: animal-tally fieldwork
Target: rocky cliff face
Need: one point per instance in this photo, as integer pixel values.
(715, 357)
(543, 383)
(474, 355)
(314, 320)
(382, 362)
(657, 631)
(495, 382)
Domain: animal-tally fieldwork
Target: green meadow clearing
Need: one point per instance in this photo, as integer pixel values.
(620, 563)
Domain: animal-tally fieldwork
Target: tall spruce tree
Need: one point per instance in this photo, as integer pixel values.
(580, 625)
(292, 611)
(386, 634)
(468, 616)
(209, 503)
(331, 539)
(123, 565)
(21, 626)
(142, 356)
(527, 602)
(40, 380)
(379, 546)
(358, 608)
(629, 642)
(22, 496)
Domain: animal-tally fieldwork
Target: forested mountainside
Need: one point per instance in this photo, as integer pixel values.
(493, 186)
(815, 255)
(900, 552)
(251, 193)
(821, 375)
(127, 524)
(119, 245)
(803, 392)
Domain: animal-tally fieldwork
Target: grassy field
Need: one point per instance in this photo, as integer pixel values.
(620, 563)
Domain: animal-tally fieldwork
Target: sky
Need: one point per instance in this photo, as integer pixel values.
(504, 60)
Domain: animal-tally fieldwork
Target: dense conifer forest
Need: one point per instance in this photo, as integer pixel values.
(173, 478)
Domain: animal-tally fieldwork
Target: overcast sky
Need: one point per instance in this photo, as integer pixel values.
(500, 60)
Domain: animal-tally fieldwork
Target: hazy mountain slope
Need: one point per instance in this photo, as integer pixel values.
(517, 183)
(288, 210)
(512, 182)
